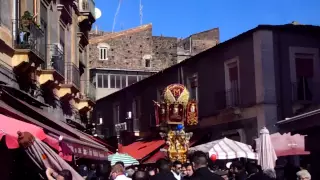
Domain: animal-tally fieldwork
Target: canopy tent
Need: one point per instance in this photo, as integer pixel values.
(125, 158)
(226, 149)
(287, 144)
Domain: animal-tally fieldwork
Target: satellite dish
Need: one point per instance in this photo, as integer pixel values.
(98, 13)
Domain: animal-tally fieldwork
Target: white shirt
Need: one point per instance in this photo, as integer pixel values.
(122, 177)
(177, 176)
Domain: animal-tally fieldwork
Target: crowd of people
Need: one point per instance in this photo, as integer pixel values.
(198, 169)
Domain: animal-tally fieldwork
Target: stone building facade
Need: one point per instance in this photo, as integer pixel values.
(251, 81)
(137, 53)
(47, 58)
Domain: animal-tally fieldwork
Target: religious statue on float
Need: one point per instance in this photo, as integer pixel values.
(175, 112)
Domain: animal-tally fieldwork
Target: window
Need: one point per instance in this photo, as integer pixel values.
(103, 53)
(112, 81)
(193, 87)
(232, 82)
(303, 69)
(147, 60)
(105, 81)
(147, 63)
(132, 80)
(117, 81)
(136, 108)
(100, 77)
(160, 94)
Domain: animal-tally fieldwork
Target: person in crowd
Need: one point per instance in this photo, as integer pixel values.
(92, 175)
(120, 162)
(223, 174)
(253, 171)
(183, 170)
(62, 175)
(176, 169)
(118, 173)
(270, 174)
(140, 175)
(130, 172)
(238, 170)
(189, 171)
(303, 175)
(164, 169)
(200, 165)
(151, 172)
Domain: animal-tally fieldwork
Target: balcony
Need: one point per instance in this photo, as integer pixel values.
(71, 86)
(87, 10)
(54, 68)
(28, 42)
(87, 7)
(89, 98)
(228, 99)
(73, 76)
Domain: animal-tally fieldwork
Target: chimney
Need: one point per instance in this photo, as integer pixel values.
(96, 29)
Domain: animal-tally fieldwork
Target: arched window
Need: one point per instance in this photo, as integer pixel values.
(103, 51)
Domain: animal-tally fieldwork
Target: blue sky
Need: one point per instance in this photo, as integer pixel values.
(180, 18)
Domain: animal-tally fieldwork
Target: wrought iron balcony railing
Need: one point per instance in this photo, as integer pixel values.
(89, 90)
(28, 35)
(73, 75)
(87, 6)
(56, 59)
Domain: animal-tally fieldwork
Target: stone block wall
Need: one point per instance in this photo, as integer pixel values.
(126, 51)
(164, 52)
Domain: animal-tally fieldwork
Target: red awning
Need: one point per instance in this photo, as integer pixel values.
(53, 137)
(85, 140)
(154, 158)
(141, 149)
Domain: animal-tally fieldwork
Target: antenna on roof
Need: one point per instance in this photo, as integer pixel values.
(141, 13)
(116, 14)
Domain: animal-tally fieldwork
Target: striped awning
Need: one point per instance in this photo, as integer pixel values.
(125, 158)
(226, 149)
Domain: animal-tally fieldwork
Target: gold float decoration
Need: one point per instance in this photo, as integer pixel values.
(173, 112)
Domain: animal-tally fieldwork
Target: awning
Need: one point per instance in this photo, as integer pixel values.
(226, 149)
(11, 112)
(47, 116)
(83, 151)
(310, 119)
(141, 149)
(154, 158)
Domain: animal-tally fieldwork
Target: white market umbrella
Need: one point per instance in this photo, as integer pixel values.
(125, 158)
(226, 149)
(266, 154)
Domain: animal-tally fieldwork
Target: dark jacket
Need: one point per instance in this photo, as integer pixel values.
(241, 176)
(203, 174)
(163, 176)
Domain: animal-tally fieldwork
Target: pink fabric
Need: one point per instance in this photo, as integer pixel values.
(286, 144)
(9, 127)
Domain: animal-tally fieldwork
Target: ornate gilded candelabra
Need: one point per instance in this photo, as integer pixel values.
(175, 111)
